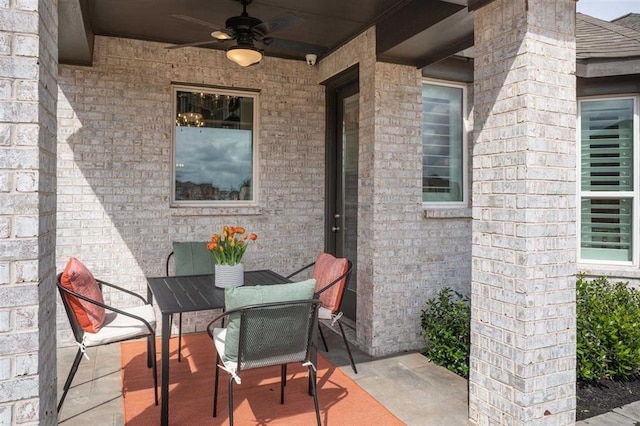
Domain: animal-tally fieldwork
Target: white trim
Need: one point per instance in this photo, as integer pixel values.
(634, 195)
(465, 148)
(254, 152)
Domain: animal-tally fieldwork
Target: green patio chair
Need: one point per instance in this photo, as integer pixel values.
(264, 335)
(189, 258)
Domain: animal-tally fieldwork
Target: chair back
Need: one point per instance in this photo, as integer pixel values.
(191, 258)
(65, 294)
(276, 333)
(331, 274)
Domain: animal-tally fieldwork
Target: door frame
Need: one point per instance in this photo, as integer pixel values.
(332, 86)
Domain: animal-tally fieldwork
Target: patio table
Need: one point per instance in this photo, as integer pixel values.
(177, 294)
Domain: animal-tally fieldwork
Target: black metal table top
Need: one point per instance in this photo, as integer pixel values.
(190, 293)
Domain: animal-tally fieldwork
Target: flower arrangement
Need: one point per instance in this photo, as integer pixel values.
(229, 247)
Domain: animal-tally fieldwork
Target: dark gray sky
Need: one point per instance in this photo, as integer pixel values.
(221, 157)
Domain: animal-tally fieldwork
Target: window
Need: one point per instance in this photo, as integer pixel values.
(443, 144)
(608, 133)
(214, 146)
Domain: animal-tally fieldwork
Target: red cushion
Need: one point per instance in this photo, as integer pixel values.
(326, 270)
(76, 277)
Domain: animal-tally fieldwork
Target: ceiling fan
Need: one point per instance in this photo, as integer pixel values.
(246, 30)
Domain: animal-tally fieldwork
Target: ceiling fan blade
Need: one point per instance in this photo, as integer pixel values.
(194, 44)
(196, 21)
(282, 22)
(296, 46)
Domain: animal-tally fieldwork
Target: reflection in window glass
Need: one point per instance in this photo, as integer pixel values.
(213, 147)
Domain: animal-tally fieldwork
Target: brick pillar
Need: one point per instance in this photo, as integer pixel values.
(28, 93)
(524, 234)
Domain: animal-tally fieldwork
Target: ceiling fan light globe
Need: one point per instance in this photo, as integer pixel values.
(244, 55)
(221, 35)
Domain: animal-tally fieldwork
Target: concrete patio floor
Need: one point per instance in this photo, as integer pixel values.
(415, 390)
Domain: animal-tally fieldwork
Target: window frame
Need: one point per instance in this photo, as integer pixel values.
(465, 152)
(255, 95)
(616, 195)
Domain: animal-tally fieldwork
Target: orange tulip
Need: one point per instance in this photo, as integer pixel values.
(254, 237)
(240, 230)
(211, 246)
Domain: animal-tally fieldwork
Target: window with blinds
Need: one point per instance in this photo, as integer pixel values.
(442, 143)
(607, 180)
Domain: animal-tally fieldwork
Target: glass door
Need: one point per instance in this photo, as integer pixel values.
(343, 109)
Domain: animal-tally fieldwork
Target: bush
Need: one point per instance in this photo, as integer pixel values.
(608, 329)
(607, 326)
(446, 326)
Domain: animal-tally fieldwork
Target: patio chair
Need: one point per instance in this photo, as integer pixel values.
(94, 323)
(267, 325)
(189, 258)
(332, 275)
(263, 335)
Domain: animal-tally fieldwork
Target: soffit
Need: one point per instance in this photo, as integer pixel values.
(408, 31)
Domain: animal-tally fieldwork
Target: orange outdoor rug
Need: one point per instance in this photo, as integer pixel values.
(256, 399)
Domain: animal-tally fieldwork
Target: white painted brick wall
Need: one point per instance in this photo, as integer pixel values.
(28, 55)
(523, 265)
(401, 259)
(114, 171)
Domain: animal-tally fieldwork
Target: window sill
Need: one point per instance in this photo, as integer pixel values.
(429, 212)
(617, 271)
(178, 210)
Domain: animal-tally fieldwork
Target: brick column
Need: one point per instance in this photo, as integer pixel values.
(28, 93)
(524, 236)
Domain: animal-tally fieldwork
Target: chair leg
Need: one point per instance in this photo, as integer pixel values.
(151, 343)
(285, 374)
(180, 337)
(326, 348)
(353, 364)
(314, 390)
(283, 379)
(215, 387)
(149, 357)
(231, 401)
(72, 373)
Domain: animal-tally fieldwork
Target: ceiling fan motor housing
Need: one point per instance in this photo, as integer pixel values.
(246, 23)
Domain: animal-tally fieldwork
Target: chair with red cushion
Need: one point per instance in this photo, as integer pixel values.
(95, 323)
(332, 275)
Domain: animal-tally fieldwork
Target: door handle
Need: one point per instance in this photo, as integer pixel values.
(335, 228)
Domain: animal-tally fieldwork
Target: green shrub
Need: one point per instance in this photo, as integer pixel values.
(607, 326)
(608, 329)
(446, 330)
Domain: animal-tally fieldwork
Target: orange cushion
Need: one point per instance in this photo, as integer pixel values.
(76, 277)
(326, 270)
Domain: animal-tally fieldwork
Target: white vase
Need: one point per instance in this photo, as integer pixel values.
(229, 275)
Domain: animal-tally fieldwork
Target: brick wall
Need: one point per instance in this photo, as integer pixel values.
(402, 260)
(114, 177)
(28, 62)
(524, 236)
(114, 172)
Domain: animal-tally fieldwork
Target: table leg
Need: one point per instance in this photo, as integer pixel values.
(164, 387)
